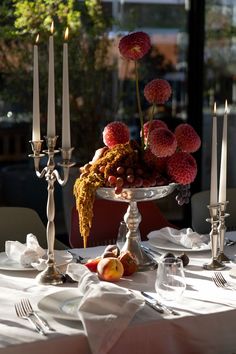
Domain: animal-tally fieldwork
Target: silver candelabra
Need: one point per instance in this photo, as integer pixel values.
(214, 220)
(51, 275)
(222, 229)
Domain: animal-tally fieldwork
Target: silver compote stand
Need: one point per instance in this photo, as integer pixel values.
(133, 217)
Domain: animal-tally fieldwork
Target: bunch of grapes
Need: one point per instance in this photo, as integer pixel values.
(183, 195)
(132, 176)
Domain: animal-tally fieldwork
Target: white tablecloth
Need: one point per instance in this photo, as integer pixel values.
(207, 323)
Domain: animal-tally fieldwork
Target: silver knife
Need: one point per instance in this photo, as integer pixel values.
(154, 306)
(150, 251)
(164, 307)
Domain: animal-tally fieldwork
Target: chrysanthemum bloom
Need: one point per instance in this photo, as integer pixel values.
(115, 133)
(134, 45)
(182, 168)
(157, 91)
(162, 142)
(187, 138)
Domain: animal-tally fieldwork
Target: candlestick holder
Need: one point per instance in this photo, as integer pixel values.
(51, 275)
(222, 229)
(214, 235)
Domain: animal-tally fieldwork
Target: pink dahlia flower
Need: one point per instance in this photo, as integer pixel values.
(115, 133)
(162, 142)
(155, 124)
(157, 91)
(182, 168)
(187, 138)
(134, 45)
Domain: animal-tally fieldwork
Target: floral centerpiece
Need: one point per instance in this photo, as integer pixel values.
(162, 157)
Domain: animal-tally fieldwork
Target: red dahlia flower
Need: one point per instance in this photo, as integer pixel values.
(134, 45)
(157, 91)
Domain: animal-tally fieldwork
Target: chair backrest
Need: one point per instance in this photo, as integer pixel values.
(17, 222)
(106, 221)
(200, 212)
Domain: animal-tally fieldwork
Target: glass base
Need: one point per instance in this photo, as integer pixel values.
(50, 276)
(213, 265)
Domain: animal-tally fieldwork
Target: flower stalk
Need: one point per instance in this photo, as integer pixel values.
(139, 103)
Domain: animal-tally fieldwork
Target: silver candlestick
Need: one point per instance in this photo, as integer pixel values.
(214, 263)
(51, 275)
(222, 229)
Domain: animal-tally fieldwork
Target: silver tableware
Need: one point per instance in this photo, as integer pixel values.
(165, 308)
(133, 217)
(21, 313)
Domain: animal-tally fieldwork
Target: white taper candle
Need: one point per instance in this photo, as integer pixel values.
(36, 108)
(223, 164)
(51, 127)
(213, 187)
(66, 144)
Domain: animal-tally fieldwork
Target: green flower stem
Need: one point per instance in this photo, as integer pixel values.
(139, 103)
(150, 122)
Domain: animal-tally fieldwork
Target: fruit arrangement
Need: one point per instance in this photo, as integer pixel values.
(161, 157)
(184, 257)
(112, 264)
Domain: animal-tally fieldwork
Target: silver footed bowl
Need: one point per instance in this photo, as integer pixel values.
(133, 217)
(136, 194)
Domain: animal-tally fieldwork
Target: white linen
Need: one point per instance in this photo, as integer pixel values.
(28, 255)
(184, 237)
(105, 310)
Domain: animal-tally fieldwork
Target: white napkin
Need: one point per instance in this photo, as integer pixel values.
(105, 310)
(184, 237)
(28, 255)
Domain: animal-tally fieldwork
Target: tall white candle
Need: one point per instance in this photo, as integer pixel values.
(223, 164)
(213, 188)
(36, 109)
(51, 129)
(66, 144)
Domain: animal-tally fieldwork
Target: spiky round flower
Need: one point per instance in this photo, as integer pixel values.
(115, 133)
(187, 138)
(157, 91)
(134, 45)
(162, 142)
(155, 124)
(182, 168)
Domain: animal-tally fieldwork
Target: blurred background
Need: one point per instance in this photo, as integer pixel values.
(193, 47)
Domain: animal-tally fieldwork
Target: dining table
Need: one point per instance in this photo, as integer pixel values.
(205, 324)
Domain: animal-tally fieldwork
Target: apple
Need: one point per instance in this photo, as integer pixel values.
(110, 269)
(129, 263)
(92, 264)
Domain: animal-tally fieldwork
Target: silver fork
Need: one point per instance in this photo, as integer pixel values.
(221, 282)
(30, 311)
(20, 312)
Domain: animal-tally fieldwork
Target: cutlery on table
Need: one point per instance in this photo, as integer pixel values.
(221, 282)
(165, 308)
(154, 306)
(20, 312)
(30, 311)
(150, 251)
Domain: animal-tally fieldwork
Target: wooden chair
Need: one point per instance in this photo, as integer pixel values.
(200, 212)
(17, 222)
(106, 221)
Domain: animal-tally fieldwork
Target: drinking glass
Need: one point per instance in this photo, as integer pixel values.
(170, 281)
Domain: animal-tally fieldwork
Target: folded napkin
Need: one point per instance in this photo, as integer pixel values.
(105, 310)
(184, 237)
(28, 255)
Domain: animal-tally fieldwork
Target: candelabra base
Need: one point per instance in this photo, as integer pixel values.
(50, 276)
(223, 258)
(213, 265)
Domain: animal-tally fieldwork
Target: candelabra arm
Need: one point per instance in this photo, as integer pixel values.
(61, 181)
